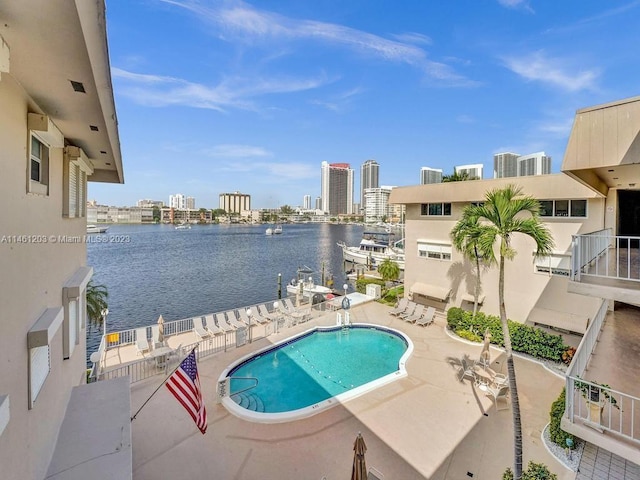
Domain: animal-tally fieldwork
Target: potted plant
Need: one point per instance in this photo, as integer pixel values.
(596, 395)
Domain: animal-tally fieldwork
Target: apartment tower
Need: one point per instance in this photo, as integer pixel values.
(336, 185)
(369, 178)
(505, 165)
(475, 171)
(235, 202)
(430, 175)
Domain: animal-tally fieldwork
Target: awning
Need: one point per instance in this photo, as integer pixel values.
(562, 320)
(468, 297)
(432, 291)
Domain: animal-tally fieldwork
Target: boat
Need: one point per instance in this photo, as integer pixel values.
(374, 248)
(277, 230)
(269, 231)
(183, 226)
(305, 281)
(96, 229)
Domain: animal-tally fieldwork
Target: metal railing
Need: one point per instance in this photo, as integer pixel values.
(594, 404)
(601, 254)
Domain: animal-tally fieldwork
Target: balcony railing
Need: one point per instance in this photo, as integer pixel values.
(596, 405)
(601, 254)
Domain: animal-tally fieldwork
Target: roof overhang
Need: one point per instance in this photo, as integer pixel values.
(45, 46)
(431, 291)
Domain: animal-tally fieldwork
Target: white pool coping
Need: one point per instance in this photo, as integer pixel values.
(281, 417)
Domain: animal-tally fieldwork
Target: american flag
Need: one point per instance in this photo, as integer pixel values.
(184, 383)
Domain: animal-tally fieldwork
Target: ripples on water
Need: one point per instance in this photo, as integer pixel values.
(210, 268)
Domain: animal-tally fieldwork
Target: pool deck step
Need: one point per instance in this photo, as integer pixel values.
(250, 401)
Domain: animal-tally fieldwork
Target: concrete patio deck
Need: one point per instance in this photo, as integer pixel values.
(427, 425)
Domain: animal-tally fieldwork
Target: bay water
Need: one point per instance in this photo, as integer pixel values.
(153, 270)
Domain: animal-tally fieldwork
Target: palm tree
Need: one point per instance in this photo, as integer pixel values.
(457, 177)
(506, 212)
(96, 302)
(389, 270)
(466, 236)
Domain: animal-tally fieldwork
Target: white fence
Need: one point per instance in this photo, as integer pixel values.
(602, 254)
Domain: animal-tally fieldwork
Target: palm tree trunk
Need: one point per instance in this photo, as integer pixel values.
(513, 387)
(476, 293)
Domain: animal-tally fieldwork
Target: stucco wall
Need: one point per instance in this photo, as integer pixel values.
(524, 287)
(33, 275)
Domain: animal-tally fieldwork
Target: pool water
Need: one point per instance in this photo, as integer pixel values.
(315, 367)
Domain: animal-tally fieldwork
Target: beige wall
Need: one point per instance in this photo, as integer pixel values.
(524, 288)
(33, 275)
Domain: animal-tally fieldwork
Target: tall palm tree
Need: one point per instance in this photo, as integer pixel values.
(97, 296)
(465, 236)
(457, 177)
(504, 213)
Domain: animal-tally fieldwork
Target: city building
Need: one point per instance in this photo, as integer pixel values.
(58, 130)
(336, 187)
(534, 164)
(150, 203)
(377, 204)
(475, 171)
(509, 164)
(106, 214)
(505, 165)
(430, 175)
(235, 202)
(318, 203)
(178, 201)
(306, 202)
(369, 178)
(190, 203)
(586, 286)
(184, 215)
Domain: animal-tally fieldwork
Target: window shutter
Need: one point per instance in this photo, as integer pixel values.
(40, 366)
(73, 190)
(73, 325)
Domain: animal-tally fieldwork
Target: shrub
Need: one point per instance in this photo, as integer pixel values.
(557, 435)
(568, 354)
(467, 335)
(391, 296)
(454, 317)
(534, 471)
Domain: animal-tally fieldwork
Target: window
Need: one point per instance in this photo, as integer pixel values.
(76, 169)
(39, 340)
(74, 303)
(554, 264)
(38, 167)
(438, 251)
(435, 209)
(563, 208)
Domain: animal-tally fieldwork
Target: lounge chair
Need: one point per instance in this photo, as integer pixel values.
(142, 344)
(416, 315)
(262, 309)
(468, 370)
(409, 310)
(211, 325)
(498, 393)
(233, 321)
(199, 330)
(298, 314)
(401, 307)
(427, 318)
(255, 317)
(221, 320)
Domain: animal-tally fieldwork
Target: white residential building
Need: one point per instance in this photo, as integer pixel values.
(377, 204)
(306, 202)
(336, 186)
(534, 164)
(475, 171)
(178, 201)
(430, 175)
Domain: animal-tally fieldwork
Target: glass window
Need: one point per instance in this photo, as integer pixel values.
(578, 208)
(424, 209)
(435, 209)
(446, 209)
(546, 208)
(562, 208)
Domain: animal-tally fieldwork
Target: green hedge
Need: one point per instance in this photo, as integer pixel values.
(361, 284)
(534, 471)
(524, 338)
(556, 434)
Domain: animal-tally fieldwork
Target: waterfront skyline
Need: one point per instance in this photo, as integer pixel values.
(221, 96)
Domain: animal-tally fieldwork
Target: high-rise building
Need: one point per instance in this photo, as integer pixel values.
(306, 202)
(318, 203)
(178, 201)
(474, 170)
(235, 202)
(369, 178)
(430, 175)
(377, 204)
(149, 203)
(505, 164)
(336, 186)
(190, 203)
(534, 164)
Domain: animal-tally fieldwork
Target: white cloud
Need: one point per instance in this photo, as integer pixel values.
(235, 151)
(249, 25)
(340, 102)
(161, 91)
(277, 172)
(555, 72)
(413, 37)
(516, 4)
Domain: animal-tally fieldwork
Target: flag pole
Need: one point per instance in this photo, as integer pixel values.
(161, 385)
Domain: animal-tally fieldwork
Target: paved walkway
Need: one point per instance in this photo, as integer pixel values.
(600, 464)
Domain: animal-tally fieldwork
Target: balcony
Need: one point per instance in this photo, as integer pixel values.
(602, 402)
(606, 266)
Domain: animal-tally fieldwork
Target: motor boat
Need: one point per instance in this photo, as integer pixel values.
(305, 285)
(183, 226)
(374, 248)
(96, 229)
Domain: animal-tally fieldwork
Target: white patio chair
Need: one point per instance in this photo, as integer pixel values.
(199, 330)
(233, 321)
(211, 325)
(427, 318)
(403, 303)
(221, 320)
(142, 344)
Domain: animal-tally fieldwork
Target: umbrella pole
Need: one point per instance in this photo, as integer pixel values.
(160, 386)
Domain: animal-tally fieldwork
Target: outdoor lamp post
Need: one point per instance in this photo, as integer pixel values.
(249, 315)
(104, 313)
(345, 286)
(275, 309)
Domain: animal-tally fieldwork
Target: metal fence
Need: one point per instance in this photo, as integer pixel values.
(601, 254)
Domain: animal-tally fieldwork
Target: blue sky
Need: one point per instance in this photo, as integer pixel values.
(217, 96)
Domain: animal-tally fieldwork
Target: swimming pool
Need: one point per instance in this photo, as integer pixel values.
(308, 373)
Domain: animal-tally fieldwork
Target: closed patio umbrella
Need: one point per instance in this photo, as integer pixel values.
(485, 355)
(359, 471)
(160, 329)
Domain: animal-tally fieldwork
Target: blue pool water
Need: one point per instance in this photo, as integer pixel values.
(315, 367)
